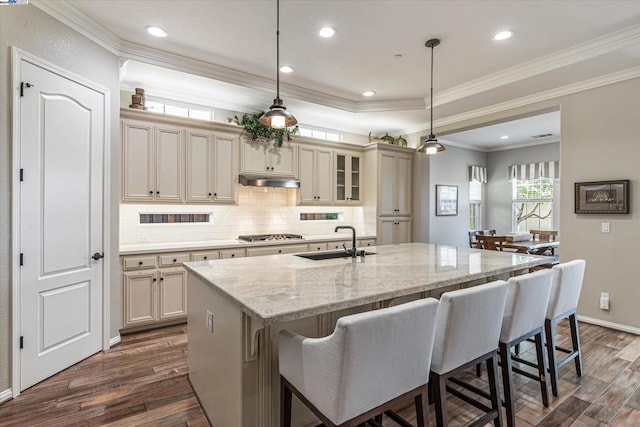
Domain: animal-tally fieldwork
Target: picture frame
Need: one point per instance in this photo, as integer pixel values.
(602, 197)
(446, 200)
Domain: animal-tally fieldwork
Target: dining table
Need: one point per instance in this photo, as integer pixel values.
(537, 247)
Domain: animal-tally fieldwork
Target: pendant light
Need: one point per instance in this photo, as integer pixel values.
(278, 117)
(431, 145)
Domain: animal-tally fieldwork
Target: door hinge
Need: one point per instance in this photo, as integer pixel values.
(21, 259)
(21, 174)
(21, 342)
(22, 86)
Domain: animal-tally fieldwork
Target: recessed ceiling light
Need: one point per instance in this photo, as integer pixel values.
(326, 32)
(156, 31)
(369, 93)
(286, 69)
(504, 137)
(503, 35)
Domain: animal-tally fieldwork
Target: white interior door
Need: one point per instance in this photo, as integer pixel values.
(61, 221)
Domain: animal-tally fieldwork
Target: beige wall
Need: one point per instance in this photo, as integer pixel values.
(31, 30)
(600, 139)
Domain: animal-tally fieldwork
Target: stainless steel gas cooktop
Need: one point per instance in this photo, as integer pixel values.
(268, 237)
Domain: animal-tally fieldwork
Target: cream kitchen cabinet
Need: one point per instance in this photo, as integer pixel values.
(394, 231)
(153, 158)
(256, 160)
(154, 289)
(211, 166)
(348, 178)
(394, 183)
(315, 176)
(277, 250)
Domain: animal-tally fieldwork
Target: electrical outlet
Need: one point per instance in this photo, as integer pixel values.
(604, 300)
(605, 227)
(209, 321)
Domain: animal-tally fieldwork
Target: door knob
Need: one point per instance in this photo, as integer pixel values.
(97, 256)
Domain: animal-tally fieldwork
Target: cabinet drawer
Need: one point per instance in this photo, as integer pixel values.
(318, 247)
(276, 250)
(171, 260)
(139, 262)
(232, 253)
(366, 242)
(204, 256)
(338, 245)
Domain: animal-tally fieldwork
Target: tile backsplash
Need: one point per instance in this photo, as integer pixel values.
(258, 211)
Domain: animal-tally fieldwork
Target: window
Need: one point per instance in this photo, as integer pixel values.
(320, 133)
(533, 204)
(193, 112)
(475, 205)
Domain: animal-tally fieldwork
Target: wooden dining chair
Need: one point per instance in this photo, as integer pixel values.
(473, 237)
(544, 235)
(498, 243)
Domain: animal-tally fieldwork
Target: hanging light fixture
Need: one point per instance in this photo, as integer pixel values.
(278, 117)
(431, 145)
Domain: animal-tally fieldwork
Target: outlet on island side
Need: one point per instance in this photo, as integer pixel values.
(209, 321)
(604, 300)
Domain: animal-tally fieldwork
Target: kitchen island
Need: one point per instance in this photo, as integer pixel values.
(237, 307)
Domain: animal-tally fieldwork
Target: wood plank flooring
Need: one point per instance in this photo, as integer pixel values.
(143, 382)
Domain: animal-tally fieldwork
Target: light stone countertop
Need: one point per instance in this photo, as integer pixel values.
(278, 288)
(156, 247)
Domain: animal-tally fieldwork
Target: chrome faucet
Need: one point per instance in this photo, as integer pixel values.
(353, 251)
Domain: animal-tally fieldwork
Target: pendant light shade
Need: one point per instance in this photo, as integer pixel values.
(431, 145)
(278, 117)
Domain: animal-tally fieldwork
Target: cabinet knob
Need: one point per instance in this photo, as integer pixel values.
(175, 260)
(150, 191)
(279, 251)
(157, 192)
(210, 194)
(140, 263)
(205, 257)
(161, 279)
(154, 279)
(232, 255)
(215, 194)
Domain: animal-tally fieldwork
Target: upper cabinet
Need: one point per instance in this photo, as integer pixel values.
(348, 177)
(166, 161)
(315, 175)
(211, 171)
(153, 158)
(255, 159)
(394, 183)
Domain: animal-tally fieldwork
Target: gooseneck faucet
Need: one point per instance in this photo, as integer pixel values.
(353, 250)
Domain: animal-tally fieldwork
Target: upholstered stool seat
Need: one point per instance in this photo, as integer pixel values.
(467, 332)
(372, 360)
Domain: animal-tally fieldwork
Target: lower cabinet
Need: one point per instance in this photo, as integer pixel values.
(394, 231)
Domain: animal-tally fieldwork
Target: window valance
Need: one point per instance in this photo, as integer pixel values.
(528, 171)
(478, 174)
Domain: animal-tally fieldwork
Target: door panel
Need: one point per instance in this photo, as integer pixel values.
(225, 168)
(387, 184)
(137, 168)
(324, 181)
(173, 293)
(61, 221)
(403, 190)
(198, 169)
(140, 292)
(169, 152)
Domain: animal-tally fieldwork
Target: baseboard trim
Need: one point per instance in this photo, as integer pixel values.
(611, 325)
(115, 340)
(5, 395)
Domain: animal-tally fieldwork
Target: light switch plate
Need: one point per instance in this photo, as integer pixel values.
(605, 227)
(209, 321)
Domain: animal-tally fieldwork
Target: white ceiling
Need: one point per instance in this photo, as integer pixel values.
(222, 53)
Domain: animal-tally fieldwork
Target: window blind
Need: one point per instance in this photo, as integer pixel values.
(478, 174)
(550, 169)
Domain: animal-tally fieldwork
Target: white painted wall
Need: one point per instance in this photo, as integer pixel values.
(33, 31)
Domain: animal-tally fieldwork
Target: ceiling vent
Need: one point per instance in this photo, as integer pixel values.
(542, 135)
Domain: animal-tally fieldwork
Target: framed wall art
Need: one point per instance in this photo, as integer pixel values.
(602, 197)
(446, 200)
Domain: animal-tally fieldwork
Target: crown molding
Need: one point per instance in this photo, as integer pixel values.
(590, 49)
(72, 17)
(588, 84)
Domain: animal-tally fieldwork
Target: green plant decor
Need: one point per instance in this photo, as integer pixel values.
(264, 134)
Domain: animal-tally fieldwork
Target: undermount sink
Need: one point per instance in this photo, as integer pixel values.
(317, 256)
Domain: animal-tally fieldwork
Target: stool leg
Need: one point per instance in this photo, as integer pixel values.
(507, 383)
(285, 405)
(575, 341)
(551, 353)
(422, 409)
(438, 382)
(492, 371)
(542, 369)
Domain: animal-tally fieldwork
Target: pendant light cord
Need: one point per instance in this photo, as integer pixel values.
(431, 106)
(278, 49)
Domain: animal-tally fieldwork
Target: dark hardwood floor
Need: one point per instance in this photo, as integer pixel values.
(143, 382)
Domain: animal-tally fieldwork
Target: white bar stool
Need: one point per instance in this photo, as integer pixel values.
(467, 333)
(524, 317)
(563, 302)
(371, 361)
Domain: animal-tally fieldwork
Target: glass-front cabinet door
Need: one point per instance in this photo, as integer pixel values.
(348, 177)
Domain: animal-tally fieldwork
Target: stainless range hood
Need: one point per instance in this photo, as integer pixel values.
(268, 181)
